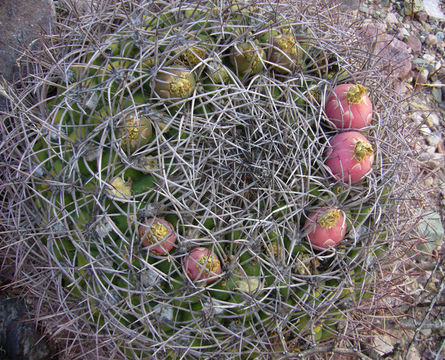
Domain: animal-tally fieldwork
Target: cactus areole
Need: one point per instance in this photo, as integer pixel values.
(158, 234)
(349, 157)
(327, 228)
(202, 264)
(349, 107)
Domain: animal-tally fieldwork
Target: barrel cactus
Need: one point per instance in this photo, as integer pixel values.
(173, 156)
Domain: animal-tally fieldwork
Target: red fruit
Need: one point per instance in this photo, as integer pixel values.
(349, 107)
(327, 228)
(202, 264)
(350, 157)
(157, 231)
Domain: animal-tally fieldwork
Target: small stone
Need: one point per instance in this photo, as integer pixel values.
(432, 160)
(437, 91)
(422, 16)
(440, 37)
(417, 118)
(412, 7)
(391, 19)
(423, 76)
(425, 130)
(384, 3)
(433, 140)
(431, 40)
(429, 58)
(431, 229)
(432, 120)
(414, 43)
(364, 9)
(432, 7)
(403, 34)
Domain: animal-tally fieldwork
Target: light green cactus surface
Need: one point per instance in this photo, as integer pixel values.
(157, 111)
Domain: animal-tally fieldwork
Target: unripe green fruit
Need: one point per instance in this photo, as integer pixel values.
(135, 133)
(174, 82)
(247, 58)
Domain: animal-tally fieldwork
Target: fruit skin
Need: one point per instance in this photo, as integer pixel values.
(247, 58)
(202, 264)
(175, 82)
(327, 227)
(349, 157)
(349, 107)
(157, 231)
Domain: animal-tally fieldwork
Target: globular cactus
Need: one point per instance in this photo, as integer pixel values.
(177, 129)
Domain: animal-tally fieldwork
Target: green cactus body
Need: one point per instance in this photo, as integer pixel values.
(188, 112)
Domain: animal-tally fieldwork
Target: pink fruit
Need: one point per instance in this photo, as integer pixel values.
(349, 107)
(202, 264)
(349, 157)
(327, 228)
(157, 231)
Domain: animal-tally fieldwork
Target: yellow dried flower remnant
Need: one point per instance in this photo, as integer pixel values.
(175, 83)
(330, 218)
(355, 94)
(158, 234)
(362, 149)
(210, 264)
(120, 188)
(136, 132)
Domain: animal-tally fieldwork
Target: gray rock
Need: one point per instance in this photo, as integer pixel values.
(431, 40)
(414, 43)
(433, 140)
(21, 23)
(431, 229)
(432, 120)
(437, 92)
(391, 19)
(432, 7)
(392, 55)
(440, 36)
(432, 160)
(412, 7)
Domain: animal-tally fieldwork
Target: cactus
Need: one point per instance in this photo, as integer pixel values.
(224, 141)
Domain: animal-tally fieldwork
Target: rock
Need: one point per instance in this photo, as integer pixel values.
(412, 7)
(432, 120)
(422, 16)
(21, 23)
(431, 40)
(433, 140)
(431, 229)
(432, 160)
(417, 118)
(425, 130)
(414, 43)
(423, 76)
(364, 9)
(440, 37)
(432, 8)
(437, 92)
(391, 19)
(392, 55)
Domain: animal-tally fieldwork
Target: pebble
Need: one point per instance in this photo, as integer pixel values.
(425, 130)
(414, 43)
(432, 230)
(417, 118)
(412, 7)
(391, 19)
(437, 91)
(431, 40)
(440, 37)
(432, 160)
(433, 140)
(364, 9)
(432, 120)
